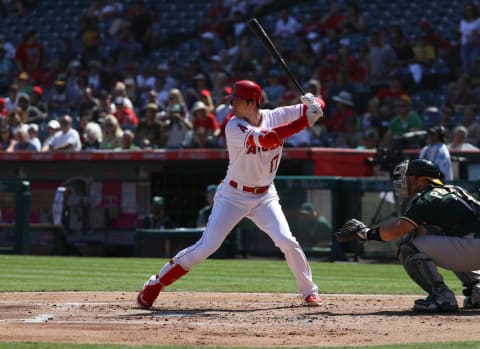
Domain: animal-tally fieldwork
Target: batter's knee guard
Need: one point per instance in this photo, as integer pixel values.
(170, 272)
(419, 267)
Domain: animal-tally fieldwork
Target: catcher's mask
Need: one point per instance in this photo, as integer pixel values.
(399, 177)
(417, 168)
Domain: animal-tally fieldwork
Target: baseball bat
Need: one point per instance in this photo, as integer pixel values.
(257, 28)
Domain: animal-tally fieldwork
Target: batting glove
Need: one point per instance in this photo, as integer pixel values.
(314, 107)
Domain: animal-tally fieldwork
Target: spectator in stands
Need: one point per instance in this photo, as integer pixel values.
(127, 119)
(7, 140)
(103, 108)
(14, 120)
(93, 136)
(112, 9)
(32, 130)
(175, 96)
(120, 90)
(351, 137)
(67, 54)
(12, 99)
(469, 28)
(405, 120)
(286, 25)
(204, 212)
(425, 53)
(310, 228)
(58, 100)
(127, 143)
(3, 109)
(201, 139)
(37, 103)
(313, 24)
(53, 128)
(369, 140)
(206, 97)
(459, 140)
(88, 102)
(177, 127)
(202, 118)
(274, 88)
(460, 92)
(6, 76)
(471, 124)
(224, 107)
(163, 72)
(112, 133)
(158, 219)
(437, 151)
(24, 83)
(334, 18)
(90, 39)
(23, 142)
(150, 132)
(67, 139)
(219, 83)
(140, 24)
(403, 51)
(344, 109)
(447, 116)
(95, 9)
(382, 60)
(354, 18)
(22, 106)
(300, 139)
(341, 83)
(327, 72)
(389, 93)
(30, 56)
(216, 21)
(8, 46)
(94, 80)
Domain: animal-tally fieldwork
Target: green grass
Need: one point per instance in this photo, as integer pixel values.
(43, 273)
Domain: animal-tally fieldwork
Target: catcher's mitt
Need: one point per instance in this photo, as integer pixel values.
(352, 229)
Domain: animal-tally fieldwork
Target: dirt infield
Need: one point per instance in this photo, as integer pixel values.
(225, 319)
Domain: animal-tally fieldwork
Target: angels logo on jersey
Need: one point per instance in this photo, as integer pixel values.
(251, 149)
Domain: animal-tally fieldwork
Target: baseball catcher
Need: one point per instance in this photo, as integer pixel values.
(440, 227)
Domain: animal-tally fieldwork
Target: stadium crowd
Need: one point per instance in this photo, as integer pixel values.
(113, 92)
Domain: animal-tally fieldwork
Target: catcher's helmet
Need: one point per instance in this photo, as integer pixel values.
(246, 89)
(423, 167)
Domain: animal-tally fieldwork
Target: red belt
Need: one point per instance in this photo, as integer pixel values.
(253, 190)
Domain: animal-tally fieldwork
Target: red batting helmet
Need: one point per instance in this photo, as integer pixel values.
(246, 89)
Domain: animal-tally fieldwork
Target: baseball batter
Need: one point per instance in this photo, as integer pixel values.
(441, 227)
(254, 139)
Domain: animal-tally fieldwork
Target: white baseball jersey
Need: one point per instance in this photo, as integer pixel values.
(256, 166)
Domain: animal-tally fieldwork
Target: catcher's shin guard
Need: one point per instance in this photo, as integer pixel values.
(152, 288)
(419, 267)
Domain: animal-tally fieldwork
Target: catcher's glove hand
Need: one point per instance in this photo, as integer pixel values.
(352, 229)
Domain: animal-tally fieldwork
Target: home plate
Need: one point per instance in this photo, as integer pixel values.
(40, 318)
